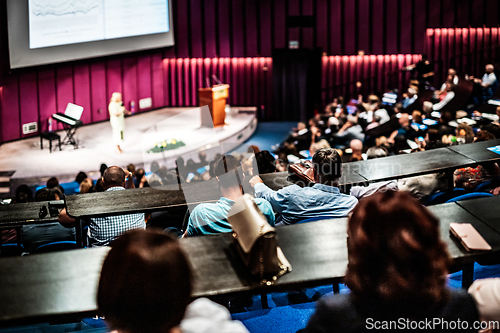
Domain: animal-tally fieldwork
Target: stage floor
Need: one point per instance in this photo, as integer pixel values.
(34, 165)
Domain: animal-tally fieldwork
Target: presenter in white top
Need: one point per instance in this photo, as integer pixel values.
(117, 114)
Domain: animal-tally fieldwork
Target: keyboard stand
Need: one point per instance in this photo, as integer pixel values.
(69, 139)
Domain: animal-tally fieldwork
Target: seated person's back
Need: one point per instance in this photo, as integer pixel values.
(146, 286)
(396, 273)
(211, 218)
(34, 235)
(323, 199)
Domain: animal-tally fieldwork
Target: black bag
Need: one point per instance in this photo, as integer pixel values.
(255, 241)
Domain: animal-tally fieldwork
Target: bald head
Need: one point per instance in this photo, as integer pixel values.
(490, 68)
(404, 120)
(113, 176)
(356, 145)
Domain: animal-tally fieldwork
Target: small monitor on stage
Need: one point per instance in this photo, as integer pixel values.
(74, 111)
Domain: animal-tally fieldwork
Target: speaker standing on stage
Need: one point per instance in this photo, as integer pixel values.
(117, 114)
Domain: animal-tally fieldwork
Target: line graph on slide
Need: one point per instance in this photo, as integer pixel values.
(63, 8)
(64, 22)
(59, 22)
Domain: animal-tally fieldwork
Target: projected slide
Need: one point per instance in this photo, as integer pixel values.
(61, 22)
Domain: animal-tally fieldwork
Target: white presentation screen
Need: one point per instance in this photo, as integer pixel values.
(50, 31)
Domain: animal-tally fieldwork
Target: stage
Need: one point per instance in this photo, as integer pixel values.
(33, 165)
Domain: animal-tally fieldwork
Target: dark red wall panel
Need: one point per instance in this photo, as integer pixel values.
(81, 91)
(47, 98)
(28, 102)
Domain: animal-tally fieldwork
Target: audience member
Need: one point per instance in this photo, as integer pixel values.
(488, 83)
(146, 284)
(140, 179)
(376, 152)
(484, 135)
(23, 194)
(104, 230)
(211, 218)
(266, 163)
(87, 186)
(350, 131)
(34, 235)
(131, 168)
(103, 168)
(323, 199)
(357, 150)
(397, 269)
(80, 177)
(52, 182)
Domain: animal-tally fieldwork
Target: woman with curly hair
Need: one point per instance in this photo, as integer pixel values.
(396, 273)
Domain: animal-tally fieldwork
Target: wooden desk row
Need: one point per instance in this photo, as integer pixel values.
(63, 285)
(171, 196)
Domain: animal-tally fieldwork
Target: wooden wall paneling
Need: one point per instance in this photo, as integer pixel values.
(179, 82)
(279, 27)
(265, 28)
(307, 33)
(98, 91)
(167, 94)
(11, 123)
(364, 32)
(324, 79)
(130, 83)
(462, 8)
(420, 15)
(367, 88)
(251, 29)
(472, 46)
(157, 80)
(335, 28)
(237, 29)
(322, 23)
(407, 27)
(182, 28)
(193, 80)
(28, 99)
(144, 79)
(269, 88)
(350, 34)
(224, 28)
(82, 92)
(172, 69)
(391, 22)
(186, 87)
(47, 99)
(465, 48)
(491, 14)
(210, 28)
(233, 96)
(345, 75)
(378, 21)
(447, 13)
(113, 77)
(475, 9)
(494, 41)
(196, 28)
(64, 89)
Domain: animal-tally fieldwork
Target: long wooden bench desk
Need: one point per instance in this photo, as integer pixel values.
(53, 286)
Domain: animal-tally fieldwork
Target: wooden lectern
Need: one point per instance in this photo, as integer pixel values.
(215, 98)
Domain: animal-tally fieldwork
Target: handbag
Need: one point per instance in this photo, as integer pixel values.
(303, 170)
(255, 241)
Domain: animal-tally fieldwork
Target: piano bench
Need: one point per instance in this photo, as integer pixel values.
(50, 136)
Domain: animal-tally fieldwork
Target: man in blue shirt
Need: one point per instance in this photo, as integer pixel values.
(324, 199)
(211, 218)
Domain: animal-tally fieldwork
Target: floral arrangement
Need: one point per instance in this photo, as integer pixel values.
(166, 145)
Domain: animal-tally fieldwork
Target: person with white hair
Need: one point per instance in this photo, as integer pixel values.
(117, 114)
